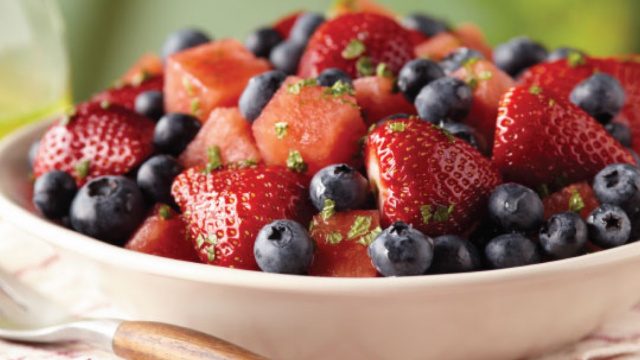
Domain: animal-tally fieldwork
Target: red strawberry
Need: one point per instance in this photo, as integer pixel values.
(341, 243)
(163, 233)
(377, 98)
(97, 140)
(427, 178)
(148, 65)
(576, 197)
(489, 84)
(561, 76)
(285, 24)
(356, 43)
(542, 140)
(225, 209)
(126, 94)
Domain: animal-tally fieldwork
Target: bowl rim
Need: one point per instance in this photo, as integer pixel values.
(101, 252)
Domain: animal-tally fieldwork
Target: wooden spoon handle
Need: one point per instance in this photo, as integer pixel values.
(156, 341)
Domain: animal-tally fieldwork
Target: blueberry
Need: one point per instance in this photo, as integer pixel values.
(415, 75)
(511, 250)
(305, 26)
(108, 208)
(174, 132)
(262, 41)
(466, 133)
(609, 226)
(53, 193)
(286, 56)
(619, 184)
(564, 53)
(150, 104)
(284, 247)
(515, 207)
(518, 54)
(330, 76)
(183, 39)
(33, 152)
(458, 58)
(258, 92)
(563, 235)
(155, 178)
(444, 98)
(453, 254)
(428, 25)
(620, 132)
(340, 183)
(401, 250)
(600, 96)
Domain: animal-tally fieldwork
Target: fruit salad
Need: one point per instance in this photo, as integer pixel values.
(354, 144)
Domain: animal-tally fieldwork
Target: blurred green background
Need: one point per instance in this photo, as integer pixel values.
(105, 36)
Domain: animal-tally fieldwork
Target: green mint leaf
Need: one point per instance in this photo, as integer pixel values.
(354, 49)
(295, 162)
(359, 227)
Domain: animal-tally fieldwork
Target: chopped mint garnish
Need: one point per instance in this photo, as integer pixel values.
(328, 209)
(397, 126)
(472, 82)
(165, 212)
(214, 160)
(334, 238)
(195, 106)
(383, 70)
(485, 75)
(425, 211)
(365, 66)
(340, 88)
(367, 239)
(104, 104)
(535, 90)
(353, 49)
(82, 168)
(247, 163)
(199, 240)
(576, 203)
(295, 162)
(470, 62)
(575, 59)
(140, 77)
(296, 87)
(359, 227)
(211, 253)
(281, 129)
(443, 212)
(186, 83)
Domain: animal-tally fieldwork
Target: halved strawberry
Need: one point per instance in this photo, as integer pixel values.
(212, 75)
(341, 7)
(438, 46)
(546, 141)
(577, 197)
(125, 95)
(225, 209)
(427, 178)
(309, 126)
(163, 233)
(341, 243)
(285, 24)
(357, 43)
(147, 66)
(96, 140)
(378, 98)
(227, 131)
(561, 76)
(489, 84)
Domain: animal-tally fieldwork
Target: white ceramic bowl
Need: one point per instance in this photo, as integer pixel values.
(502, 314)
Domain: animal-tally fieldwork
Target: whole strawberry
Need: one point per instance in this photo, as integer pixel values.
(543, 141)
(225, 209)
(357, 43)
(96, 140)
(427, 178)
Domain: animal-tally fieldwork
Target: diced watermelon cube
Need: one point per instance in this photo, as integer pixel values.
(148, 65)
(211, 75)
(472, 37)
(438, 46)
(341, 243)
(307, 120)
(230, 132)
(377, 98)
